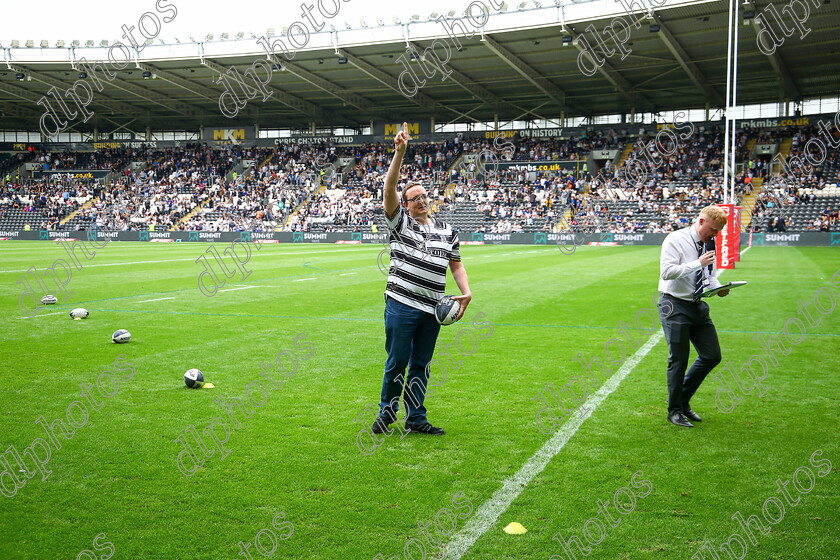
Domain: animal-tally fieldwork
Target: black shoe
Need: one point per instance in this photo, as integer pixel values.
(691, 415)
(424, 428)
(680, 420)
(380, 425)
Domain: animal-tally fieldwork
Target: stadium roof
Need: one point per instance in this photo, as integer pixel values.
(522, 65)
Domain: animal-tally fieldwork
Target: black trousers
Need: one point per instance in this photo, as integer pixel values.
(684, 322)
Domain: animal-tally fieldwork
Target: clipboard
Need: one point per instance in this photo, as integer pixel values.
(714, 292)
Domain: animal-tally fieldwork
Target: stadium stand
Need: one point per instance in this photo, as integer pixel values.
(324, 187)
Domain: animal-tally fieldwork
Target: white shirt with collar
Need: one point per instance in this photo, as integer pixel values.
(679, 262)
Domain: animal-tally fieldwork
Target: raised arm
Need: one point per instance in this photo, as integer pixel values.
(390, 198)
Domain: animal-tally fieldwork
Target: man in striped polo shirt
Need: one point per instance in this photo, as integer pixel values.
(422, 248)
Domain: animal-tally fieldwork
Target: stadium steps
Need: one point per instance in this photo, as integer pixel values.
(747, 203)
(454, 165)
(628, 149)
(190, 214)
(567, 217)
(751, 146)
(256, 168)
(72, 215)
(298, 208)
(784, 149)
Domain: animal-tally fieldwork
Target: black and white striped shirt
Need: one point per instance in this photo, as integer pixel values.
(420, 256)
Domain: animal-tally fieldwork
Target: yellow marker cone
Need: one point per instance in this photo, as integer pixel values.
(515, 529)
(208, 386)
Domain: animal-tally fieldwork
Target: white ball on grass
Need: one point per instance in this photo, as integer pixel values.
(194, 379)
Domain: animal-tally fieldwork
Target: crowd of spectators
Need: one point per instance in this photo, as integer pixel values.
(298, 186)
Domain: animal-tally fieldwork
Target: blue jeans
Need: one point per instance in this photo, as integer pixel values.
(410, 337)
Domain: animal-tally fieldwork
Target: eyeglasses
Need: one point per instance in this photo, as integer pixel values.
(418, 198)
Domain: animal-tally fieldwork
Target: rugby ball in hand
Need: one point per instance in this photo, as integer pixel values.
(121, 336)
(446, 310)
(49, 299)
(79, 313)
(193, 378)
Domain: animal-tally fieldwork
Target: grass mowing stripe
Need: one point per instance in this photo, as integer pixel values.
(488, 513)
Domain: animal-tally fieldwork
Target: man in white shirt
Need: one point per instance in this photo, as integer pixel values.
(686, 269)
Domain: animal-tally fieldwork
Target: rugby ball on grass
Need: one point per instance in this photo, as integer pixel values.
(193, 378)
(446, 310)
(121, 336)
(49, 299)
(79, 313)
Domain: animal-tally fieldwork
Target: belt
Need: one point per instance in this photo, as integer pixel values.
(681, 299)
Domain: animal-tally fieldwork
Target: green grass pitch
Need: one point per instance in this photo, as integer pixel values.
(297, 453)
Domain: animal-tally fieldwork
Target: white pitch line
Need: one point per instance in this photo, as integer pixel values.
(303, 279)
(292, 253)
(488, 513)
(234, 289)
(44, 315)
(347, 273)
(158, 299)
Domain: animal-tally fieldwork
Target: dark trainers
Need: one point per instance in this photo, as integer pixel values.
(424, 428)
(380, 425)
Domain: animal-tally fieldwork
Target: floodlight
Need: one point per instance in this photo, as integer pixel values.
(225, 35)
(380, 22)
(269, 31)
(60, 43)
(20, 76)
(523, 5)
(433, 16)
(342, 60)
(89, 43)
(30, 43)
(364, 23)
(240, 35)
(44, 43)
(567, 40)
(15, 43)
(347, 25)
(415, 17)
(76, 43)
(537, 4)
(147, 75)
(397, 20)
(103, 43)
(209, 37)
(451, 13)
